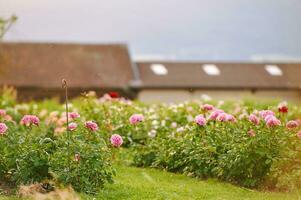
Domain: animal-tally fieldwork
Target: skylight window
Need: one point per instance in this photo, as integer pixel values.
(211, 69)
(273, 70)
(159, 69)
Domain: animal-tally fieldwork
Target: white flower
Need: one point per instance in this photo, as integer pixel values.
(180, 129)
(152, 133)
(174, 124)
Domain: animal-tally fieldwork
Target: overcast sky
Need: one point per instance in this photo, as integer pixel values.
(166, 29)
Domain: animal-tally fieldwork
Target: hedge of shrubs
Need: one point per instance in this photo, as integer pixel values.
(258, 145)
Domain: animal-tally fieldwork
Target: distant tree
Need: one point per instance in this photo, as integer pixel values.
(5, 24)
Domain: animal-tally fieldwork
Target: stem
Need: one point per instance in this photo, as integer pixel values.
(65, 86)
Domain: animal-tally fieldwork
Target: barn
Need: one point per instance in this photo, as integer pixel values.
(180, 81)
(36, 69)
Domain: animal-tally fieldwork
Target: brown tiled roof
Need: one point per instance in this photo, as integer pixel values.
(232, 75)
(43, 65)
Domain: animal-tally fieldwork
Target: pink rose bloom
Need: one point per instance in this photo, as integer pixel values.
(222, 117)
(3, 128)
(200, 120)
(72, 126)
(292, 124)
(231, 118)
(2, 112)
(91, 125)
(264, 113)
(207, 107)
(254, 119)
(74, 115)
(299, 134)
(215, 114)
(273, 121)
(116, 140)
(136, 118)
(252, 133)
(29, 120)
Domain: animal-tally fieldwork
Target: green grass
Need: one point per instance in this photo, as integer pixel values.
(139, 184)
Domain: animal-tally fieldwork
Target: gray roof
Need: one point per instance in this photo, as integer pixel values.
(232, 76)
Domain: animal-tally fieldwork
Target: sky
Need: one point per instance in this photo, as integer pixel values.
(217, 30)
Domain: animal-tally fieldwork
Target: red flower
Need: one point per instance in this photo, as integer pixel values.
(282, 107)
(114, 94)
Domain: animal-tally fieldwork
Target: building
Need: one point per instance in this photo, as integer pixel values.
(36, 69)
(180, 81)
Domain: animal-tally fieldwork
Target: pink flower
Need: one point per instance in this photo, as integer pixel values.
(252, 133)
(215, 114)
(3, 128)
(299, 134)
(268, 117)
(72, 126)
(116, 140)
(292, 124)
(230, 118)
(200, 120)
(2, 112)
(222, 117)
(136, 118)
(207, 107)
(282, 107)
(264, 113)
(273, 121)
(74, 115)
(29, 120)
(91, 125)
(254, 119)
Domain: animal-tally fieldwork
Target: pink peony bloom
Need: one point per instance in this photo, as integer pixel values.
(74, 115)
(2, 112)
(91, 125)
(231, 118)
(282, 107)
(299, 134)
(207, 107)
(29, 120)
(72, 126)
(268, 117)
(215, 114)
(136, 118)
(77, 157)
(3, 128)
(252, 133)
(116, 140)
(292, 124)
(200, 120)
(254, 119)
(264, 113)
(222, 117)
(272, 121)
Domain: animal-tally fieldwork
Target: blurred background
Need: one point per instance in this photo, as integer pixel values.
(166, 51)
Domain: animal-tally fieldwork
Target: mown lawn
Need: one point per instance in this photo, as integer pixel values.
(133, 183)
(138, 184)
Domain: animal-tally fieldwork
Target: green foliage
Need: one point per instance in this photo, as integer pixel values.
(91, 170)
